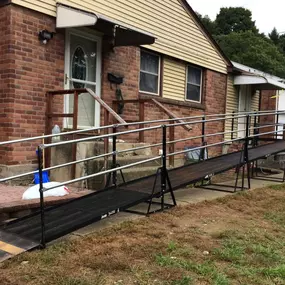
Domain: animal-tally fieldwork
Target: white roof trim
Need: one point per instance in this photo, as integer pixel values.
(249, 70)
(67, 17)
(257, 80)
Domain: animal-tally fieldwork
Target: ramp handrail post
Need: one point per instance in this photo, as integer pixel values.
(233, 125)
(246, 158)
(114, 156)
(203, 137)
(276, 127)
(255, 132)
(164, 167)
(41, 190)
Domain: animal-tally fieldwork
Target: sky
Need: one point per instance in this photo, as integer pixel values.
(267, 14)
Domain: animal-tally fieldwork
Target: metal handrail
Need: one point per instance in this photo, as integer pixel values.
(267, 133)
(102, 173)
(209, 135)
(228, 115)
(267, 126)
(43, 146)
(202, 147)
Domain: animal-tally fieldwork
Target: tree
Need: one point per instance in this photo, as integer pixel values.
(274, 36)
(282, 43)
(208, 23)
(253, 50)
(234, 19)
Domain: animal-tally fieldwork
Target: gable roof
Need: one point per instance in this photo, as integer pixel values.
(179, 32)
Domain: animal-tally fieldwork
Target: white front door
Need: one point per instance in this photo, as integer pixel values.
(244, 106)
(83, 70)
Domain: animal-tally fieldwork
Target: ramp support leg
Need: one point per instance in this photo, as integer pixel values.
(41, 189)
(246, 157)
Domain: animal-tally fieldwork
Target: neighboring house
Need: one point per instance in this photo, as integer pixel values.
(250, 90)
(160, 48)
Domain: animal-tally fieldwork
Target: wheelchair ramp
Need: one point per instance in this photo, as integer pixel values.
(12, 245)
(25, 233)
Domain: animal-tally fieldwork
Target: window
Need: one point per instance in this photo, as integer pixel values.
(149, 72)
(194, 84)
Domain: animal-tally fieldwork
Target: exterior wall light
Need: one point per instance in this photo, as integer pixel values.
(45, 36)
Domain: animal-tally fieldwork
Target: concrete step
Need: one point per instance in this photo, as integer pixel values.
(135, 173)
(133, 159)
(121, 146)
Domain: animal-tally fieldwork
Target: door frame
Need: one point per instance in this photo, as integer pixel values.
(247, 97)
(90, 35)
(244, 93)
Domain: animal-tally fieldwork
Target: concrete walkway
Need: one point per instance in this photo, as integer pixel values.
(183, 196)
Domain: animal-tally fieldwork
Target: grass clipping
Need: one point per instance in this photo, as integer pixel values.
(234, 240)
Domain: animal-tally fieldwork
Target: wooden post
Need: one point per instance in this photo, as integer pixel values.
(141, 119)
(115, 108)
(172, 145)
(75, 125)
(48, 128)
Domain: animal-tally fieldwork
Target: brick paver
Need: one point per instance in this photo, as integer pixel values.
(11, 198)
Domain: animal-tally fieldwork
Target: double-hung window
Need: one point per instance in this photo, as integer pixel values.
(194, 84)
(149, 73)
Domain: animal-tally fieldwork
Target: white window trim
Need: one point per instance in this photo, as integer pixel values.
(151, 73)
(201, 84)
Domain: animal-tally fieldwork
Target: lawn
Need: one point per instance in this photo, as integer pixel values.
(234, 240)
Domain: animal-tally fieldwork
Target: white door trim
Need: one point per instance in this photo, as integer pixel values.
(88, 35)
(244, 94)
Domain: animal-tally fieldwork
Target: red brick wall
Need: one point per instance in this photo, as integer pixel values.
(267, 104)
(213, 99)
(6, 74)
(33, 68)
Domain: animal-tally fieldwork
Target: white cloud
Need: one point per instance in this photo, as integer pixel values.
(267, 14)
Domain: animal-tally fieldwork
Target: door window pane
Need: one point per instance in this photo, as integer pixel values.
(194, 84)
(79, 67)
(149, 72)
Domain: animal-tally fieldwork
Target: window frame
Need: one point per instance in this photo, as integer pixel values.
(201, 83)
(159, 73)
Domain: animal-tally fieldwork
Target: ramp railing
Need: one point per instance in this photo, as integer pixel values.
(199, 141)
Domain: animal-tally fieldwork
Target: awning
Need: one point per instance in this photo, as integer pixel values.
(259, 82)
(122, 34)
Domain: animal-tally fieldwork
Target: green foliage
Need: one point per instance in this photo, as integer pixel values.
(234, 19)
(208, 23)
(274, 36)
(239, 38)
(253, 50)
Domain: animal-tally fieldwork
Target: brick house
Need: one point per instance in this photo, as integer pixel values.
(160, 48)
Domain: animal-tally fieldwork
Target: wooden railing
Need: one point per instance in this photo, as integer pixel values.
(76, 92)
(141, 118)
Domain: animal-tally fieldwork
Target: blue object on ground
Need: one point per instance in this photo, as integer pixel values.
(37, 177)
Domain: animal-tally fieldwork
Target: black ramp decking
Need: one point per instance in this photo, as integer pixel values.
(78, 213)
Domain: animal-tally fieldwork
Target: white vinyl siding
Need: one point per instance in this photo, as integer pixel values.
(174, 79)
